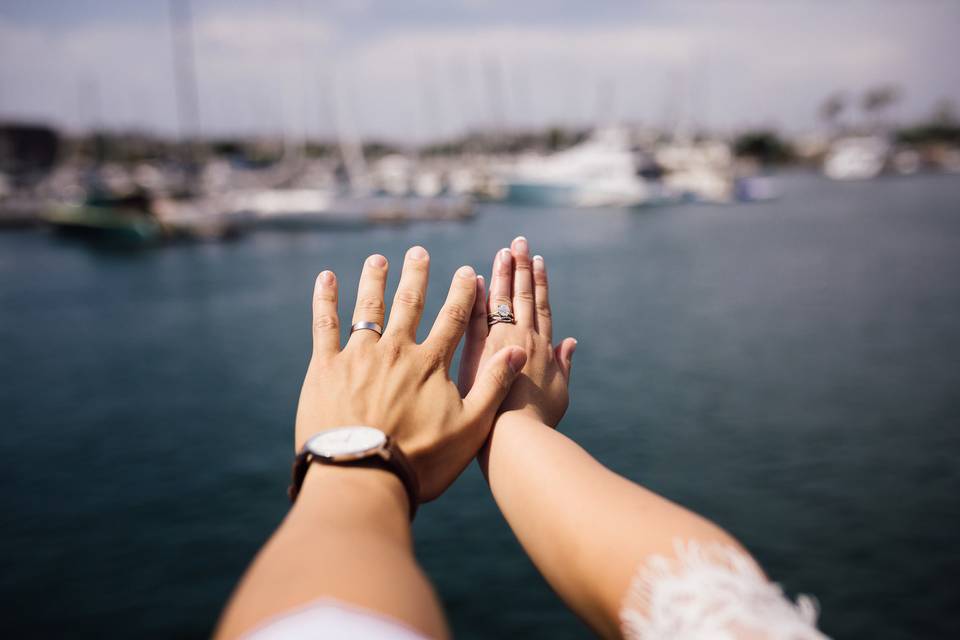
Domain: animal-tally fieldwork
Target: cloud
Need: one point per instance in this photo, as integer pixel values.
(47, 70)
(274, 70)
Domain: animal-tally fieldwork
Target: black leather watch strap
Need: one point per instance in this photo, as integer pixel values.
(395, 462)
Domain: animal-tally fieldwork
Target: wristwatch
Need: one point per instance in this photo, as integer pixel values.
(356, 446)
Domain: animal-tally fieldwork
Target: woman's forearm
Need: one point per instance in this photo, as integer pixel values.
(584, 527)
(347, 538)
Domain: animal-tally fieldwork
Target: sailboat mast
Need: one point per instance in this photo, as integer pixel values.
(185, 78)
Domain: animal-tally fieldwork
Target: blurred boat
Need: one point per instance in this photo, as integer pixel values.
(288, 208)
(392, 174)
(599, 172)
(698, 171)
(121, 220)
(856, 158)
(321, 208)
(196, 218)
(141, 219)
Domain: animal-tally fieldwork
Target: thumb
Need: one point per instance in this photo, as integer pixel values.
(494, 380)
(564, 355)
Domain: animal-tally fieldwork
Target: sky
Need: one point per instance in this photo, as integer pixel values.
(422, 70)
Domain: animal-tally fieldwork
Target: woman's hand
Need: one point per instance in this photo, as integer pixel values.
(398, 386)
(521, 284)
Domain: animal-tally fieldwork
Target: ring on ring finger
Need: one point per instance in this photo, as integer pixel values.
(502, 314)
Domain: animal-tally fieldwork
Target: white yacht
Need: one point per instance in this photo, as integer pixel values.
(599, 172)
(856, 158)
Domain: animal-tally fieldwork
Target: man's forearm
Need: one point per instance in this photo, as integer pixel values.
(584, 527)
(347, 538)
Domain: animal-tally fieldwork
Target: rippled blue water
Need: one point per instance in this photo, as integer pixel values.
(791, 370)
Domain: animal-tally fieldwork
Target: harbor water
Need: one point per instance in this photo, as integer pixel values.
(790, 369)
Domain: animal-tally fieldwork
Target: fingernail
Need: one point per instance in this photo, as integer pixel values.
(538, 264)
(481, 281)
(466, 272)
(518, 358)
(505, 256)
(326, 278)
(417, 253)
(573, 347)
(519, 244)
(377, 260)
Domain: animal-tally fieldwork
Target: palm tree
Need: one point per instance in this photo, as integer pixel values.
(831, 110)
(876, 101)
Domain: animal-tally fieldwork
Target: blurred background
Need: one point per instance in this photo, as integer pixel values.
(750, 212)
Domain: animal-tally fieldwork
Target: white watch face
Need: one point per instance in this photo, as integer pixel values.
(346, 441)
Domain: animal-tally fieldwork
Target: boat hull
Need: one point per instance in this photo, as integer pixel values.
(543, 195)
(105, 223)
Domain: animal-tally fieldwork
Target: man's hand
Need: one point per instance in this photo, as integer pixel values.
(398, 386)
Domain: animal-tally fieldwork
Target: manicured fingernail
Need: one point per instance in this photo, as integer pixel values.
(377, 261)
(573, 346)
(505, 256)
(417, 253)
(326, 278)
(538, 263)
(519, 244)
(466, 272)
(481, 281)
(518, 358)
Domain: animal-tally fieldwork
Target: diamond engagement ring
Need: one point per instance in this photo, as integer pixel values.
(503, 314)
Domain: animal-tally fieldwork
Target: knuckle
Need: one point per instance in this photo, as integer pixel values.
(456, 314)
(524, 296)
(326, 321)
(543, 309)
(433, 358)
(540, 277)
(325, 295)
(410, 298)
(370, 303)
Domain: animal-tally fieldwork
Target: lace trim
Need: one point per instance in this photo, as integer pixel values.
(712, 592)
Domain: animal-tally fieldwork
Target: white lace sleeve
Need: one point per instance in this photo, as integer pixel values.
(712, 592)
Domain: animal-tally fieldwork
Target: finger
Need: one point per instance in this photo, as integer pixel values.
(473, 343)
(492, 384)
(564, 354)
(454, 314)
(523, 307)
(370, 307)
(326, 322)
(542, 298)
(501, 281)
(411, 292)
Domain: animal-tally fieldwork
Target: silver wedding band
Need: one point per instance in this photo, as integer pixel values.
(372, 326)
